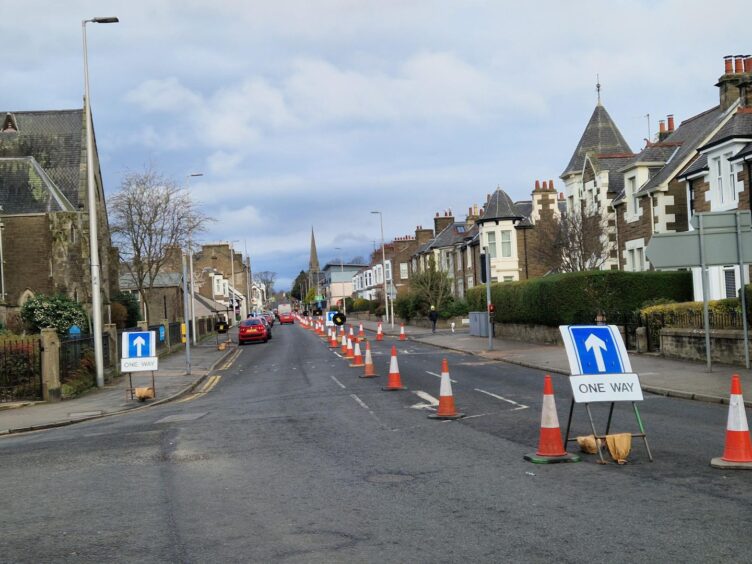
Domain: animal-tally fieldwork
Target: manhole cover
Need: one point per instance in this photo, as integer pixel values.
(389, 478)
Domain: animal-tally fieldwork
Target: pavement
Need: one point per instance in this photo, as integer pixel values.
(658, 375)
(171, 382)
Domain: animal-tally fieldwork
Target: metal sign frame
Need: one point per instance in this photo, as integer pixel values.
(579, 374)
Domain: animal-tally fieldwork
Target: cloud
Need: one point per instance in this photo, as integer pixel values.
(164, 95)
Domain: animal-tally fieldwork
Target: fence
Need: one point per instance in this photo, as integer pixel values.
(77, 357)
(20, 369)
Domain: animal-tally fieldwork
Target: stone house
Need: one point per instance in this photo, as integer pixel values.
(44, 222)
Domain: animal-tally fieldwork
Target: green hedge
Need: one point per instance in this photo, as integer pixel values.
(562, 299)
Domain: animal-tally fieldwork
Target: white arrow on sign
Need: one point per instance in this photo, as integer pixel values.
(139, 342)
(595, 344)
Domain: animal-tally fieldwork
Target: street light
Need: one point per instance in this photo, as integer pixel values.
(190, 265)
(342, 270)
(383, 267)
(96, 298)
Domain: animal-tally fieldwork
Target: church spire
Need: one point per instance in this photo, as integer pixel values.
(313, 261)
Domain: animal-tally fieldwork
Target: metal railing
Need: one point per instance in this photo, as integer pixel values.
(77, 357)
(20, 369)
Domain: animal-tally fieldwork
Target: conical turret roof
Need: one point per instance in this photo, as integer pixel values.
(601, 136)
(499, 206)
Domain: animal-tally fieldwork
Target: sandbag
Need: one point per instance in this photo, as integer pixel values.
(588, 444)
(619, 446)
(143, 394)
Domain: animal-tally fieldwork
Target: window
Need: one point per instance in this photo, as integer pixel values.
(491, 239)
(469, 282)
(378, 274)
(509, 279)
(506, 244)
(731, 177)
(640, 256)
(719, 176)
(388, 265)
(469, 259)
(632, 194)
(403, 271)
(729, 279)
(630, 260)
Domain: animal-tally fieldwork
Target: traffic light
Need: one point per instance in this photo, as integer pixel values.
(483, 268)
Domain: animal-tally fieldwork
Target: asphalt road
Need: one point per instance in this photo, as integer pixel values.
(287, 456)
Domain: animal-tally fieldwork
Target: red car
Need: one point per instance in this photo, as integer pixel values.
(253, 329)
(286, 318)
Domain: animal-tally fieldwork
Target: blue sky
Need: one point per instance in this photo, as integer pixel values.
(311, 113)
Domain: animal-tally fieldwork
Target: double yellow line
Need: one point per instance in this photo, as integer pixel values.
(207, 387)
(229, 361)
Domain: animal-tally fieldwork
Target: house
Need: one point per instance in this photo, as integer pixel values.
(220, 272)
(44, 214)
(337, 281)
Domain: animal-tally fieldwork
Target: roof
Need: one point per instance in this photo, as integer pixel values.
(499, 206)
(26, 188)
(739, 126)
(600, 136)
(451, 235)
(162, 280)
(689, 134)
(54, 139)
(612, 163)
(205, 306)
(745, 153)
(700, 164)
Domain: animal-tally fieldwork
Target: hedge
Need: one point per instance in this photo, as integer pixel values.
(577, 297)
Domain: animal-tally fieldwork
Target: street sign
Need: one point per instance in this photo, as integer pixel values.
(339, 319)
(161, 333)
(595, 349)
(330, 318)
(606, 387)
(139, 344)
(682, 250)
(139, 364)
(718, 220)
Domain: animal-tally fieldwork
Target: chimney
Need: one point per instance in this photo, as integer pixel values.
(423, 236)
(441, 222)
(728, 84)
(545, 186)
(739, 64)
(748, 63)
(537, 186)
(561, 196)
(662, 133)
(670, 119)
(551, 185)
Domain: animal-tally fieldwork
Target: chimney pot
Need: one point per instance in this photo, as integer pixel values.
(661, 126)
(748, 63)
(739, 64)
(670, 119)
(537, 185)
(728, 62)
(561, 195)
(550, 184)
(545, 185)
(437, 214)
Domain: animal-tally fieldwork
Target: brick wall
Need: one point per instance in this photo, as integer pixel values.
(27, 249)
(678, 189)
(700, 189)
(629, 231)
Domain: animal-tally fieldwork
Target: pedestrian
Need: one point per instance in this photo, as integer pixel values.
(433, 315)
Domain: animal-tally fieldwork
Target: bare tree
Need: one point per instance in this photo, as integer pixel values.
(432, 286)
(151, 219)
(267, 278)
(577, 241)
(357, 260)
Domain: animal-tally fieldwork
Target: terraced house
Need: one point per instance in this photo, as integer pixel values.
(44, 243)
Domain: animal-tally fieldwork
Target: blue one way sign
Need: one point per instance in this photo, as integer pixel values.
(139, 344)
(595, 349)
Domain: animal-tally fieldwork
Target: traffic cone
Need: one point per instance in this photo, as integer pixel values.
(361, 332)
(446, 408)
(343, 348)
(550, 446)
(357, 357)
(333, 339)
(369, 371)
(403, 337)
(349, 355)
(352, 333)
(394, 382)
(738, 450)
(379, 333)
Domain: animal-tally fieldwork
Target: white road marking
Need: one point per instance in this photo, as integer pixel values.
(360, 402)
(519, 405)
(439, 376)
(432, 401)
(340, 384)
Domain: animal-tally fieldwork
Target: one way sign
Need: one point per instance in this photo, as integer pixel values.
(595, 349)
(139, 344)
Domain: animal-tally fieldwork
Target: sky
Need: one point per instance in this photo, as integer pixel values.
(311, 114)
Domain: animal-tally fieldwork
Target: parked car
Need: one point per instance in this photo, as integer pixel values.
(253, 329)
(268, 325)
(286, 318)
(269, 317)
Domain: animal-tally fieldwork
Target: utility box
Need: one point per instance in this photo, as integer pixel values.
(478, 323)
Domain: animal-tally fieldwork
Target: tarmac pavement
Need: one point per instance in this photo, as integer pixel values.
(171, 382)
(658, 375)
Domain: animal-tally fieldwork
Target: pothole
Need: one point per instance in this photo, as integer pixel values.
(389, 478)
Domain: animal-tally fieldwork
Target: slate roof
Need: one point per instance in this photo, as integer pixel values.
(26, 188)
(744, 153)
(690, 134)
(700, 164)
(499, 206)
(739, 126)
(600, 136)
(162, 280)
(449, 236)
(525, 209)
(613, 164)
(54, 139)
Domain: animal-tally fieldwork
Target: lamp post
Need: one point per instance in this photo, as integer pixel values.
(232, 279)
(383, 266)
(96, 298)
(342, 282)
(190, 266)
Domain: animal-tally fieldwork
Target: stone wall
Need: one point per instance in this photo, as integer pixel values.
(726, 346)
(528, 333)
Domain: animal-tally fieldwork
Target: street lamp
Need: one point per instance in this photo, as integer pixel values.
(96, 298)
(342, 270)
(383, 266)
(190, 265)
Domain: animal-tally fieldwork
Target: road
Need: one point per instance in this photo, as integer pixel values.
(285, 455)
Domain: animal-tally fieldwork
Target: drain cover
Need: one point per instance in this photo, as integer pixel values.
(389, 478)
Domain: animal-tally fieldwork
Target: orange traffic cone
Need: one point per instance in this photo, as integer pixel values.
(738, 450)
(349, 355)
(343, 348)
(550, 446)
(394, 382)
(446, 408)
(379, 333)
(403, 337)
(369, 371)
(361, 332)
(333, 339)
(357, 357)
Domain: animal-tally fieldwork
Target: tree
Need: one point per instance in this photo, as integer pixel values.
(576, 242)
(298, 286)
(431, 287)
(358, 260)
(267, 278)
(59, 312)
(152, 218)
